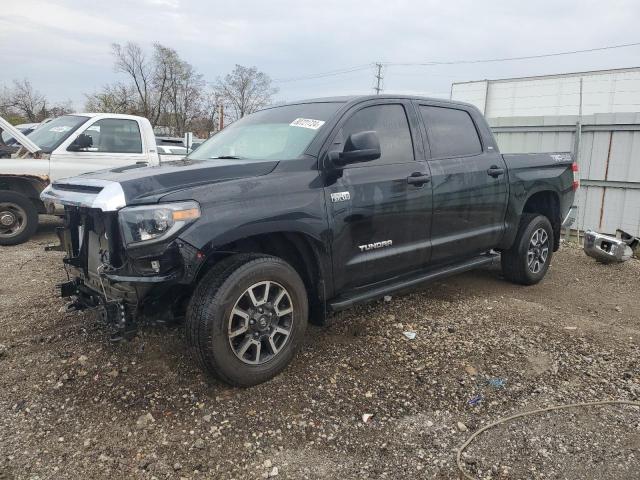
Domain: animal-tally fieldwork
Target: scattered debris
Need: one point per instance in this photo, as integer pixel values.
(570, 328)
(417, 398)
(387, 298)
(409, 335)
(609, 249)
(475, 400)
(199, 444)
(144, 421)
(496, 383)
(471, 370)
(366, 417)
(462, 427)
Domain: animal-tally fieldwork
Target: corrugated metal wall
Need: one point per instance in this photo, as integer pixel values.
(609, 161)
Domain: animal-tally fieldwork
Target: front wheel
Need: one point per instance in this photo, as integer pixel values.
(528, 259)
(247, 318)
(18, 218)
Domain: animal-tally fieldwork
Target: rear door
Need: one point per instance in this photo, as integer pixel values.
(379, 213)
(469, 183)
(116, 142)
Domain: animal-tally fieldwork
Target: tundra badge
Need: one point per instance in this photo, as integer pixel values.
(373, 246)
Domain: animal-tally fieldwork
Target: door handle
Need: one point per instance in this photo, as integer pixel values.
(418, 178)
(495, 171)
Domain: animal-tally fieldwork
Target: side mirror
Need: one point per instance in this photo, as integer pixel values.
(81, 142)
(359, 147)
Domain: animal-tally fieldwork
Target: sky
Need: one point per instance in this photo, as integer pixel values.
(63, 46)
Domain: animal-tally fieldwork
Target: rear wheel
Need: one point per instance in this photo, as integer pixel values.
(18, 218)
(528, 259)
(247, 318)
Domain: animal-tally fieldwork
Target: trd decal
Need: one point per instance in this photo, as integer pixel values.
(340, 197)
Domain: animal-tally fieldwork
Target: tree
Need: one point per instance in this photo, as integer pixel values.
(23, 103)
(184, 90)
(245, 90)
(115, 98)
(160, 86)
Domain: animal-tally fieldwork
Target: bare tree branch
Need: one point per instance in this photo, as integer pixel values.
(246, 90)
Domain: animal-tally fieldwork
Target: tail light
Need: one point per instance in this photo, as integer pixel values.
(576, 181)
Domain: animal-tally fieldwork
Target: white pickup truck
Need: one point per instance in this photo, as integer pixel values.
(65, 147)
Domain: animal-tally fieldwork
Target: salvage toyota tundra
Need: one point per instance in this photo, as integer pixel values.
(301, 210)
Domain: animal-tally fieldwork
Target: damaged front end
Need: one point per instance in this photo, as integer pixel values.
(609, 248)
(127, 262)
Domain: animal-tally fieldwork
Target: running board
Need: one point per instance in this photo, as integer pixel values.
(344, 302)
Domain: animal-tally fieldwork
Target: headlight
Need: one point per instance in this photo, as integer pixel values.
(153, 223)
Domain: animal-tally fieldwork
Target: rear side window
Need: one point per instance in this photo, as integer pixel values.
(390, 124)
(115, 135)
(452, 132)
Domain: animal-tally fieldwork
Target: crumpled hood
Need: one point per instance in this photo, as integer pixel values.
(140, 183)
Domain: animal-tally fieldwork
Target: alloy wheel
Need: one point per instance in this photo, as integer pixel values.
(538, 250)
(260, 322)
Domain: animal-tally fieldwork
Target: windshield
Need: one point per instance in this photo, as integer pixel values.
(280, 133)
(53, 133)
(7, 139)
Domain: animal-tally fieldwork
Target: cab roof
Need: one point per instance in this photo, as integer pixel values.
(351, 99)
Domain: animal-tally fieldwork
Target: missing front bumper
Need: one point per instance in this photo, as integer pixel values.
(609, 248)
(115, 313)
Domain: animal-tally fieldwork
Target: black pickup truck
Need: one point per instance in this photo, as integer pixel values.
(301, 210)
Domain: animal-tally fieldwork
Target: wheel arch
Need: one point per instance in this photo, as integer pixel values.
(547, 203)
(28, 185)
(303, 252)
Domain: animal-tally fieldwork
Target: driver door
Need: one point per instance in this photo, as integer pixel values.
(379, 216)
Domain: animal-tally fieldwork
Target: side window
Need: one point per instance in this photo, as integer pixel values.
(391, 125)
(94, 132)
(452, 132)
(115, 135)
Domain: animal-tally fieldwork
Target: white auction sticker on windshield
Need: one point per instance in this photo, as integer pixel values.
(307, 123)
(60, 129)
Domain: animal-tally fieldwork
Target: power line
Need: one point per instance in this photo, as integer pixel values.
(379, 65)
(324, 74)
(508, 59)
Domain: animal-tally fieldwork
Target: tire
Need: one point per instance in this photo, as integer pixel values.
(218, 308)
(525, 263)
(18, 218)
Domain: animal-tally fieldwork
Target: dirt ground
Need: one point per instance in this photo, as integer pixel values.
(74, 405)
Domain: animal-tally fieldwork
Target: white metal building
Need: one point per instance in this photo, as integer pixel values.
(602, 91)
(596, 114)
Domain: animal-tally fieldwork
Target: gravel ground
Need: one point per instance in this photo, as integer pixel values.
(74, 405)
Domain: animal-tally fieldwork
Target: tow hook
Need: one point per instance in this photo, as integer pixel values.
(116, 313)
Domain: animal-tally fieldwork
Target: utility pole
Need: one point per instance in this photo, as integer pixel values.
(220, 116)
(379, 77)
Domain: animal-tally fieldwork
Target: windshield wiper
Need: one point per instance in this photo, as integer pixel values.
(225, 157)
